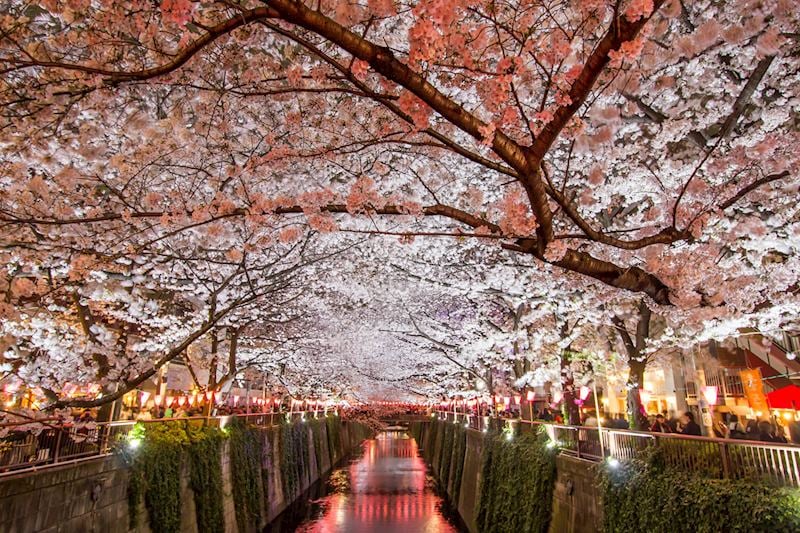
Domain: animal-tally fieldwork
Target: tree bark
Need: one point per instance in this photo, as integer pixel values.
(636, 413)
(572, 415)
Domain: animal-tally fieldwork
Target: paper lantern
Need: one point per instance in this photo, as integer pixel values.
(584, 393)
(144, 396)
(192, 399)
(517, 399)
(209, 395)
(235, 399)
(157, 399)
(530, 396)
(557, 396)
(181, 401)
(506, 400)
(710, 394)
(170, 399)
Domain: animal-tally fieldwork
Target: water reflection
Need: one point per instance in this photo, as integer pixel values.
(386, 490)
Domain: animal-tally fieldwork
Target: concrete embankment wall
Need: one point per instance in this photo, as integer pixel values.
(93, 495)
(576, 499)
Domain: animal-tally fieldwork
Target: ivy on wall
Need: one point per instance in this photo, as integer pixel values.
(446, 453)
(645, 495)
(158, 453)
(155, 476)
(334, 439)
(318, 434)
(246, 448)
(517, 479)
(457, 462)
(205, 447)
(294, 457)
(452, 452)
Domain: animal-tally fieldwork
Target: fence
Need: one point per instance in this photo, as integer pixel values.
(712, 457)
(49, 441)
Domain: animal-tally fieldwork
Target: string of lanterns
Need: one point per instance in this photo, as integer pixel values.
(234, 400)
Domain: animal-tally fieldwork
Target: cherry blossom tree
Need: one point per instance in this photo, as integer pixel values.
(549, 97)
(647, 146)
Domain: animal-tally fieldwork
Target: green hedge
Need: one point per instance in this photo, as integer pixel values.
(517, 479)
(644, 495)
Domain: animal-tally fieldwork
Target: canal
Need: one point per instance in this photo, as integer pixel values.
(386, 488)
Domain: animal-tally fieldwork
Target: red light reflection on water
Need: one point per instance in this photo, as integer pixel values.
(388, 493)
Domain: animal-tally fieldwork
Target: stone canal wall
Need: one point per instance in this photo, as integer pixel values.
(505, 482)
(97, 495)
(576, 499)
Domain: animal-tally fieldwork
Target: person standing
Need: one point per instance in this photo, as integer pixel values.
(660, 425)
(794, 431)
(688, 425)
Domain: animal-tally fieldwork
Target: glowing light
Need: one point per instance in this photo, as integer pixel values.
(157, 399)
(170, 399)
(181, 401)
(787, 416)
(530, 396)
(612, 462)
(584, 393)
(557, 396)
(710, 394)
(144, 396)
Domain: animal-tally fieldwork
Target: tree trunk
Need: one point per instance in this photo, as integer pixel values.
(637, 417)
(572, 415)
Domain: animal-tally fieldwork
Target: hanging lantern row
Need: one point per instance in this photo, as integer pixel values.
(234, 399)
(504, 402)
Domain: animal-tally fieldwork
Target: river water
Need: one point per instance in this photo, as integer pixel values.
(384, 489)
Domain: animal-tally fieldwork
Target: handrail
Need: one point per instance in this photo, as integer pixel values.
(58, 441)
(711, 456)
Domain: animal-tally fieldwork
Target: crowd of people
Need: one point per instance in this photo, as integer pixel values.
(728, 426)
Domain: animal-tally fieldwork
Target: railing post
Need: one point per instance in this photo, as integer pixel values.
(578, 442)
(57, 450)
(726, 466)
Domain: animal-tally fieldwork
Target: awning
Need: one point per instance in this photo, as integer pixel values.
(785, 398)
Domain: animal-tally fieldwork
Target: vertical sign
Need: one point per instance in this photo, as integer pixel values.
(754, 390)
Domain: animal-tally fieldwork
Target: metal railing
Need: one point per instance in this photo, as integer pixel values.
(710, 457)
(44, 442)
